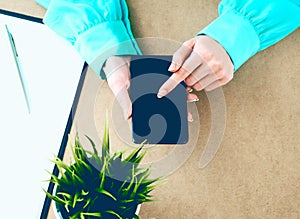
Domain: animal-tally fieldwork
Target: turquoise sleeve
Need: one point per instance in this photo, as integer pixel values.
(97, 29)
(246, 27)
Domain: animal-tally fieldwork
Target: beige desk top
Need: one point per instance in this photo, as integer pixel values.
(256, 172)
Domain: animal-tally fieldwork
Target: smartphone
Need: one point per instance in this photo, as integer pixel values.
(156, 120)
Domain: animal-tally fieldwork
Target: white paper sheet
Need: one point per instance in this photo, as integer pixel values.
(52, 70)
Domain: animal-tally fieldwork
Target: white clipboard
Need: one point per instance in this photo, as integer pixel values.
(52, 70)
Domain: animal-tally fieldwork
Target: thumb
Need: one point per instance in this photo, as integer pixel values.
(118, 81)
(181, 55)
(125, 102)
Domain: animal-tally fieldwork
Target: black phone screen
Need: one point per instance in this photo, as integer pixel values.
(156, 120)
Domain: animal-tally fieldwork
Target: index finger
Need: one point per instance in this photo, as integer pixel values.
(169, 85)
(189, 65)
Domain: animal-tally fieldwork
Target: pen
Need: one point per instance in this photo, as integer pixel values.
(17, 61)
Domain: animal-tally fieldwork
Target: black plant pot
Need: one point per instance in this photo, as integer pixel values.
(61, 213)
(100, 205)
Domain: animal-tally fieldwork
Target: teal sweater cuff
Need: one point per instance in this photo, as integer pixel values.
(236, 34)
(96, 37)
(103, 41)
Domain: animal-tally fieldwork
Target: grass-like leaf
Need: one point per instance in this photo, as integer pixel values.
(88, 201)
(91, 214)
(84, 193)
(105, 141)
(75, 200)
(127, 201)
(66, 195)
(93, 145)
(55, 198)
(102, 175)
(131, 157)
(54, 179)
(87, 166)
(114, 213)
(102, 191)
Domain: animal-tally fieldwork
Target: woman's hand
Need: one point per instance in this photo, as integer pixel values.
(117, 73)
(201, 63)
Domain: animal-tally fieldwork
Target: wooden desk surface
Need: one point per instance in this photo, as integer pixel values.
(256, 172)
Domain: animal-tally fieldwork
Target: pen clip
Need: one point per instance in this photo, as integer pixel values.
(12, 40)
(21, 76)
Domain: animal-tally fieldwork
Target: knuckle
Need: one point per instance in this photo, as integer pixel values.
(177, 58)
(183, 73)
(185, 70)
(187, 43)
(220, 74)
(197, 87)
(190, 80)
(207, 89)
(207, 56)
(196, 57)
(228, 76)
(167, 89)
(216, 66)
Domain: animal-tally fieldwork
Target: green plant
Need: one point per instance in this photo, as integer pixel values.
(105, 186)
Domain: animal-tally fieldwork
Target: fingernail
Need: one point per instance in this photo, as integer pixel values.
(191, 119)
(194, 100)
(172, 67)
(191, 90)
(126, 115)
(161, 93)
